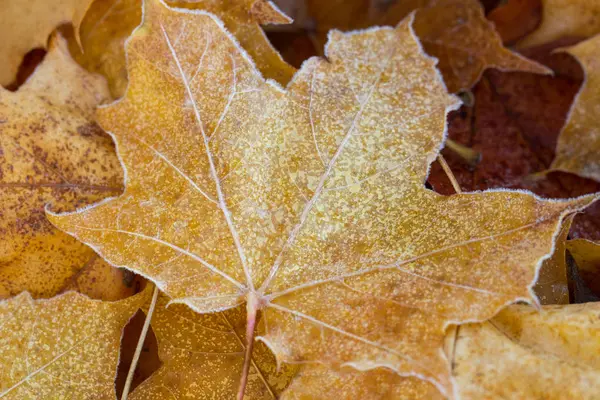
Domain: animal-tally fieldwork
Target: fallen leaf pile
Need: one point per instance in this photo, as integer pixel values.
(299, 200)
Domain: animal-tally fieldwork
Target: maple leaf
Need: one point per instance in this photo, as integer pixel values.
(27, 25)
(562, 18)
(52, 151)
(526, 354)
(203, 355)
(64, 347)
(454, 31)
(239, 192)
(108, 23)
(587, 257)
(579, 141)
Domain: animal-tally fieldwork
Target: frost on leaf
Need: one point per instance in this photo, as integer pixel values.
(109, 23)
(53, 152)
(578, 147)
(308, 204)
(64, 347)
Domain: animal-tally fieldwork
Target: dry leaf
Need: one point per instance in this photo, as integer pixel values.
(526, 354)
(109, 23)
(454, 31)
(587, 257)
(565, 18)
(52, 151)
(465, 42)
(27, 25)
(203, 355)
(552, 286)
(579, 142)
(514, 19)
(289, 200)
(64, 347)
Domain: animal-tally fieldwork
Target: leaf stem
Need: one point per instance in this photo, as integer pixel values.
(471, 156)
(449, 173)
(140, 344)
(251, 312)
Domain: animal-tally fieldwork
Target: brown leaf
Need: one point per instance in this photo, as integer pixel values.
(64, 347)
(52, 151)
(565, 18)
(290, 200)
(578, 146)
(108, 23)
(516, 18)
(27, 24)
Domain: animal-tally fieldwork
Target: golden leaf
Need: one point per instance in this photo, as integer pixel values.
(109, 23)
(552, 286)
(454, 31)
(519, 354)
(294, 200)
(579, 141)
(27, 25)
(526, 354)
(52, 151)
(565, 18)
(64, 347)
(203, 356)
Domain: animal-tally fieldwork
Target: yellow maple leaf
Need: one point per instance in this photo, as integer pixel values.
(108, 23)
(64, 347)
(454, 31)
(27, 25)
(308, 203)
(203, 354)
(565, 18)
(52, 151)
(579, 141)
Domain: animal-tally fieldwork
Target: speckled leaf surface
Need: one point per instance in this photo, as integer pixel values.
(454, 31)
(526, 354)
(578, 146)
(108, 23)
(565, 18)
(295, 200)
(53, 152)
(66, 347)
(25, 25)
(202, 357)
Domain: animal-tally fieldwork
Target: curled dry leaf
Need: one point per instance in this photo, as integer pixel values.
(288, 200)
(64, 347)
(565, 18)
(454, 31)
(53, 152)
(108, 23)
(578, 146)
(526, 354)
(27, 25)
(202, 357)
(587, 257)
